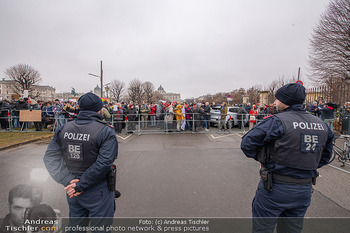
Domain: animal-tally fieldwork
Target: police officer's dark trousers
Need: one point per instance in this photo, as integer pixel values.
(285, 205)
(96, 204)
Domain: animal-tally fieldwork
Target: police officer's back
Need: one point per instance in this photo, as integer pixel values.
(290, 145)
(80, 156)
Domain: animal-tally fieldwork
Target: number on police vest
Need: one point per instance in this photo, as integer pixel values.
(75, 152)
(310, 146)
(309, 142)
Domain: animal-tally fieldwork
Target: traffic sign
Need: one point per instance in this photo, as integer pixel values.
(299, 82)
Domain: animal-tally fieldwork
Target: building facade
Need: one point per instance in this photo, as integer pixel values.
(169, 96)
(6, 90)
(45, 93)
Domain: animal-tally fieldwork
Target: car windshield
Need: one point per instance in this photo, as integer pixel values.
(233, 109)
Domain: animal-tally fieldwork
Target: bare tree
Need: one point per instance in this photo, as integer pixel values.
(254, 94)
(220, 97)
(36, 91)
(148, 89)
(116, 89)
(24, 77)
(135, 91)
(156, 97)
(330, 45)
(272, 88)
(236, 96)
(275, 85)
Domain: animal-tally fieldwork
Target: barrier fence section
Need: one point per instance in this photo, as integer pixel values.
(169, 123)
(162, 123)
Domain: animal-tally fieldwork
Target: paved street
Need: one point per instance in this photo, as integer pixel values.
(179, 175)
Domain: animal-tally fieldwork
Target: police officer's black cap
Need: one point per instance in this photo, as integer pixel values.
(291, 94)
(90, 102)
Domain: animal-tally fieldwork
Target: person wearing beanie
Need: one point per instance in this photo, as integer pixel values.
(79, 157)
(327, 114)
(59, 113)
(290, 145)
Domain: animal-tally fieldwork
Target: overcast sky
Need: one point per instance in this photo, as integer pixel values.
(191, 47)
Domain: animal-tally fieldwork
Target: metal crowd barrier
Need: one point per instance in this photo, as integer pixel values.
(130, 123)
(141, 124)
(147, 123)
(150, 123)
(9, 121)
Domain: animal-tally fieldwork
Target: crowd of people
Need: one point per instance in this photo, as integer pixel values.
(177, 116)
(51, 112)
(323, 110)
(163, 115)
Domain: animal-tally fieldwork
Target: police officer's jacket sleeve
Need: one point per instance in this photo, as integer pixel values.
(267, 130)
(108, 152)
(327, 152)
(54, 162)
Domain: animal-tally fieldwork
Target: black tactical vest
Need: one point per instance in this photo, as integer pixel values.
(303, 143)
(78, 143)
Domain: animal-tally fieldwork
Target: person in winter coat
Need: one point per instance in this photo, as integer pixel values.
(327, 114)
(179, 117)
(290, 146)
(197, 115)
(5, 110)
(131, 118)
(188, 113)
(153, 115)
(118, 118)
(253, 113)
(169, 115)
(206, 116)
(48, 116)
(223, 113)
(145, 111)
(241, 116)
(160, 114)
(80, 155)
(20, 105)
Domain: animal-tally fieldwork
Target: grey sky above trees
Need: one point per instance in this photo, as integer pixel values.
(190, 47)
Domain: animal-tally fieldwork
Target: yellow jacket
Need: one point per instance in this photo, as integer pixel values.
(178, 113)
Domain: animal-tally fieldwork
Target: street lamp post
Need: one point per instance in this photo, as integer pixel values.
(107, 89)
(241, 91)
(101, 78)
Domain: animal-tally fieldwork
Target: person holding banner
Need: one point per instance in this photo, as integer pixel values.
(35, 106)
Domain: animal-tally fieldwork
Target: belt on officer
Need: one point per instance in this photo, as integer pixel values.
(290, 180)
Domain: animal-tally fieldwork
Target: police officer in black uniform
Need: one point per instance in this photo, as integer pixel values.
(290, 145)
(80, 157)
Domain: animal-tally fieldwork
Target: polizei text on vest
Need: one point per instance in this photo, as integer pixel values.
(308, 125)
(77, 136)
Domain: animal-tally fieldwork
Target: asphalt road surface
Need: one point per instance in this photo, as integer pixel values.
(178, 175)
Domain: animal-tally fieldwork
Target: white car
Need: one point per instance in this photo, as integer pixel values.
(232, 112)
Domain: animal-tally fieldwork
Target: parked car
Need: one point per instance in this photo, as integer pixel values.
(232, 112)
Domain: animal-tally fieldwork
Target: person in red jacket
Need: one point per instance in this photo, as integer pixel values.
(253, 113)
(153, 115)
